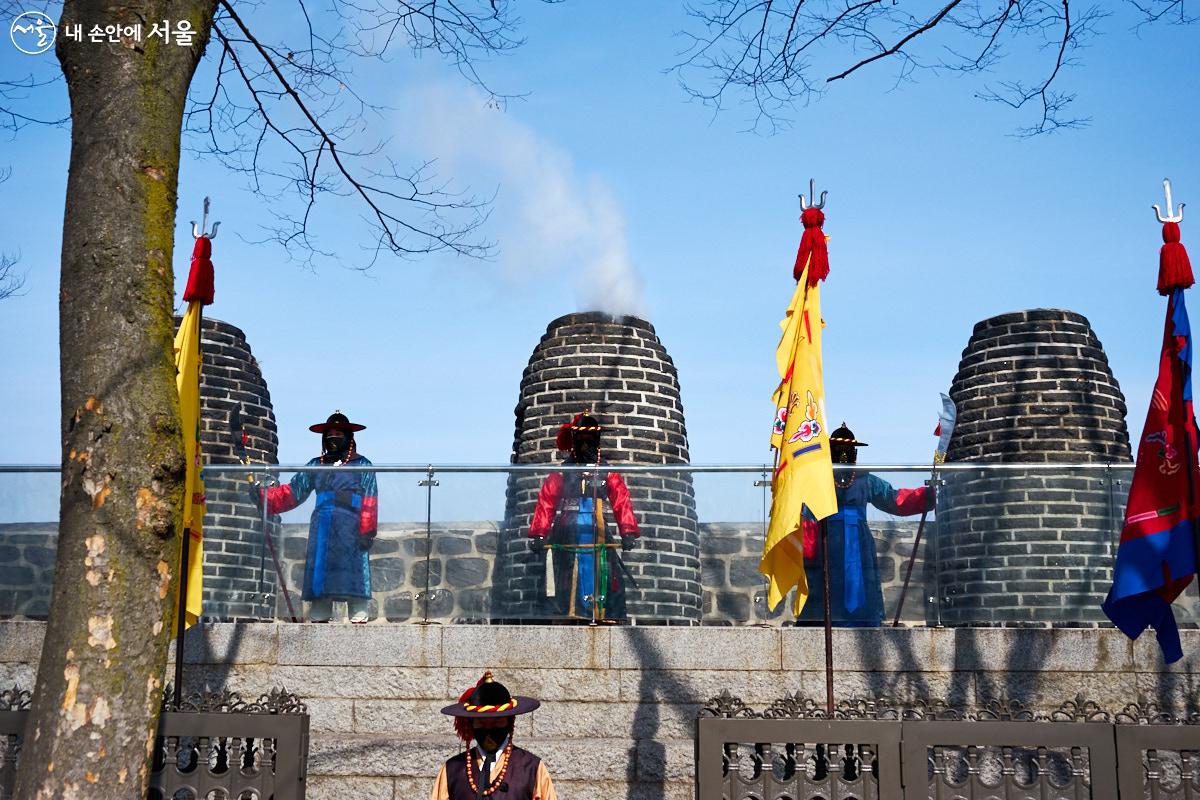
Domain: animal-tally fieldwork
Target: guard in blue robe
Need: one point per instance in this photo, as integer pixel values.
(855, 588)
(343, 525)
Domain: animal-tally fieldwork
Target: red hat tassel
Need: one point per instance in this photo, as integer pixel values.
(813, 250)
(200, 277)
(462, 725)
(565, 439)
(1174, 267)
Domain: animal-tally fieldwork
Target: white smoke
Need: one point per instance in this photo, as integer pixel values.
(546, 217)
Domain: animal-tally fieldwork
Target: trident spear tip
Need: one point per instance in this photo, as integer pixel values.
(812, 201)
(197, 232)
(1173, 214)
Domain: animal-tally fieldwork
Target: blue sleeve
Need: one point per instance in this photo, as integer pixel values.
(881, 495)
(302, 483)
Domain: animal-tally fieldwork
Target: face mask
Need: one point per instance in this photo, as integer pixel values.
(335, 443)
(586, 450)
(490, 738)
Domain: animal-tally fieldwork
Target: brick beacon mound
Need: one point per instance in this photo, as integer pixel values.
(1032, 387)
(233, 398)
(617, 368)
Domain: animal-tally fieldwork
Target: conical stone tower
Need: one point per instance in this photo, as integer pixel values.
(1028, 546)
(617, 368)
(239, 582)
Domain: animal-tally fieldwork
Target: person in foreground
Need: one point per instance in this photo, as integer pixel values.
(485, 714)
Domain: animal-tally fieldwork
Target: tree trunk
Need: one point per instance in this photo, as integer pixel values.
(99, 687)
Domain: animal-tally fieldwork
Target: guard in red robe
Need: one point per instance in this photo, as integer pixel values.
(584, 575)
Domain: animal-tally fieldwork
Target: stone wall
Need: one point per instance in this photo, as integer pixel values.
(463, 564)
(619, 704)
(1032, 386)
(461, 570)
(616, 368)
(736, 594)
(27, 555)
(454, 585)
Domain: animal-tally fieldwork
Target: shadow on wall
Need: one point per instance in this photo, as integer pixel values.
(647, 756)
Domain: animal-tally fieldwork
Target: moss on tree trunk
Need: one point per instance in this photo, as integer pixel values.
(99, 686)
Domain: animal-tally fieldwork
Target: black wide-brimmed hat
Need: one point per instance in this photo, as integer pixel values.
(844, 435)
(582, 423)
(489, 698)
(337, 421)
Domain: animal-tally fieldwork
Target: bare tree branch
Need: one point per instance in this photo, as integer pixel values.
(898, 46)
(1017, 95)
(286, 116)
(13, 93)
(1156, 10)
(11, 283)
(767, 54)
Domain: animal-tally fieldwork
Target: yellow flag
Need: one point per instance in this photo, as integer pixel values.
(187, 366)
(804, 472)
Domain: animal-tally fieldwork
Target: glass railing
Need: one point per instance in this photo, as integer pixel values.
(1005, 544)
(28, 540)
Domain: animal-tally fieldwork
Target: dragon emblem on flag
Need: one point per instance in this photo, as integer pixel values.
(810, 428)
(1167, 453)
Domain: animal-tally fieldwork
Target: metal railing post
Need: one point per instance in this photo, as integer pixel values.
(428, 483)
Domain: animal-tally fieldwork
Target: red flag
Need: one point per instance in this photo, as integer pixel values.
(1156, 558)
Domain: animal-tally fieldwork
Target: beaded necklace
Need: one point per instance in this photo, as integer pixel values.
(494, 785)
(351, 454)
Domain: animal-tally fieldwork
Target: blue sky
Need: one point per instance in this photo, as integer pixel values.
(939, 218)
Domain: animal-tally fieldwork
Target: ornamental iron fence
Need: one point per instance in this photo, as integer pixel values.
(214, 746)
(867, 750)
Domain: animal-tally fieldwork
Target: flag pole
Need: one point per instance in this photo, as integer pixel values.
(598, 542)
(181, 621)
(185, 558)
(1174, 271)
(1179, 274)
(828, 620)
(199, 290)
(800, 425)
(1191, 451)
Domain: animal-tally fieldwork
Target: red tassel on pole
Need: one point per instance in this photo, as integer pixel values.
(813, 250)
(200, 277)
(1174, 267)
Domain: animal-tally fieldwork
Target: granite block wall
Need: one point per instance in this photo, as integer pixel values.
(619, 704)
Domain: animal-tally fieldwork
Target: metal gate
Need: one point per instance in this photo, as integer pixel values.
(928, 751)
(215, 746)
